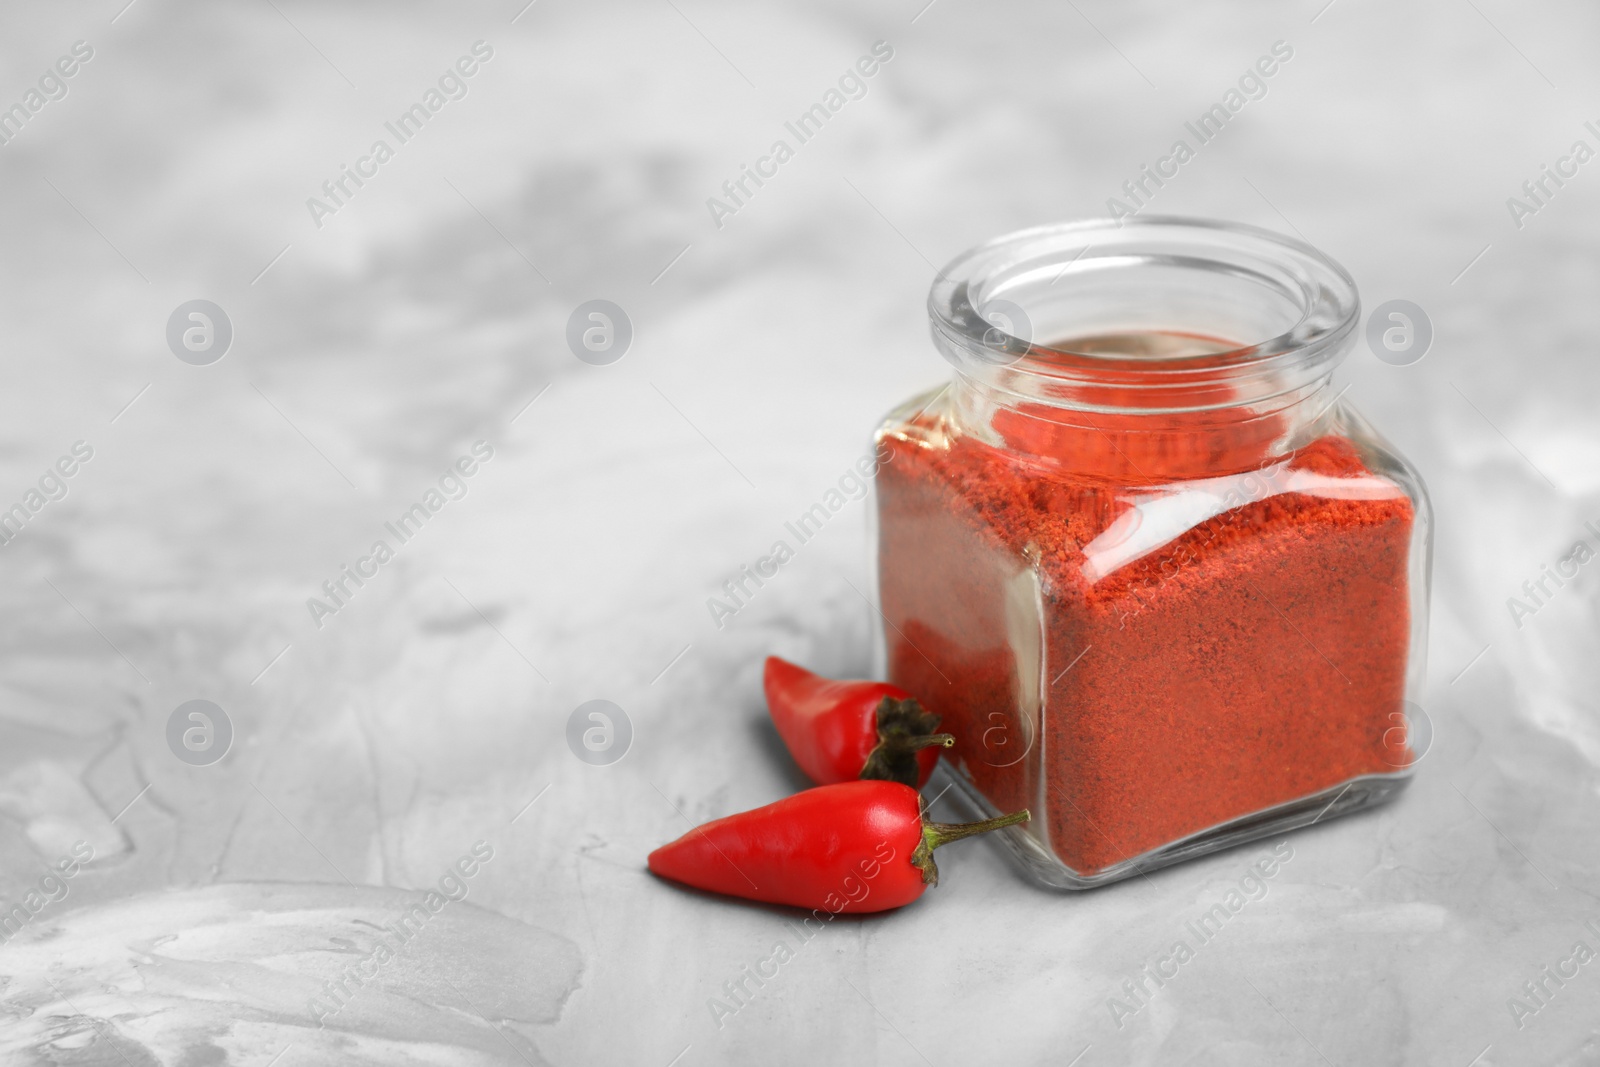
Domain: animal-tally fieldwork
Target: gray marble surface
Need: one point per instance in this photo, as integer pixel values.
(423, 724)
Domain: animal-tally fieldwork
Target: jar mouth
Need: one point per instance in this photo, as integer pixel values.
(1155, 313)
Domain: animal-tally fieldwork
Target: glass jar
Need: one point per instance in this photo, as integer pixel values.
(1165, 587)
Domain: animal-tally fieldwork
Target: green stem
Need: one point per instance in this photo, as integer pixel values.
(928, 740)
(935, 834)
(942, 833)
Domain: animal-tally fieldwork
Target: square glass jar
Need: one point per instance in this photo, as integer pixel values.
(1165, 587)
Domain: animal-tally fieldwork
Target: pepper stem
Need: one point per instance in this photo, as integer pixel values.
(935, 834)
(904, 728)
(942, 833)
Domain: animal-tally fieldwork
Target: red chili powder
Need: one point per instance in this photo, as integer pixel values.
(1254, 659)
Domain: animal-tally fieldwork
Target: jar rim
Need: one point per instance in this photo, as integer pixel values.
(1319, 307)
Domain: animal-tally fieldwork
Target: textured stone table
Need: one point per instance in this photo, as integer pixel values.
(381, 751)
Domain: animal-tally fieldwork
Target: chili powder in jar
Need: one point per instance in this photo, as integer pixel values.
(1167, 590)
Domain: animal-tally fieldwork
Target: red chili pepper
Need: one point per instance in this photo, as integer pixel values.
(850, 847)
(841, 731)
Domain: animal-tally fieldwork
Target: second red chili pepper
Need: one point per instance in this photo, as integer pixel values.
(840, 731)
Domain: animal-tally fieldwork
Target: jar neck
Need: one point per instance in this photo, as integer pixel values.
(1131, 446)
(1149, 350)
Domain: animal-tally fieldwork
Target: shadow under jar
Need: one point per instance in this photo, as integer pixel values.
(1166, 588)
